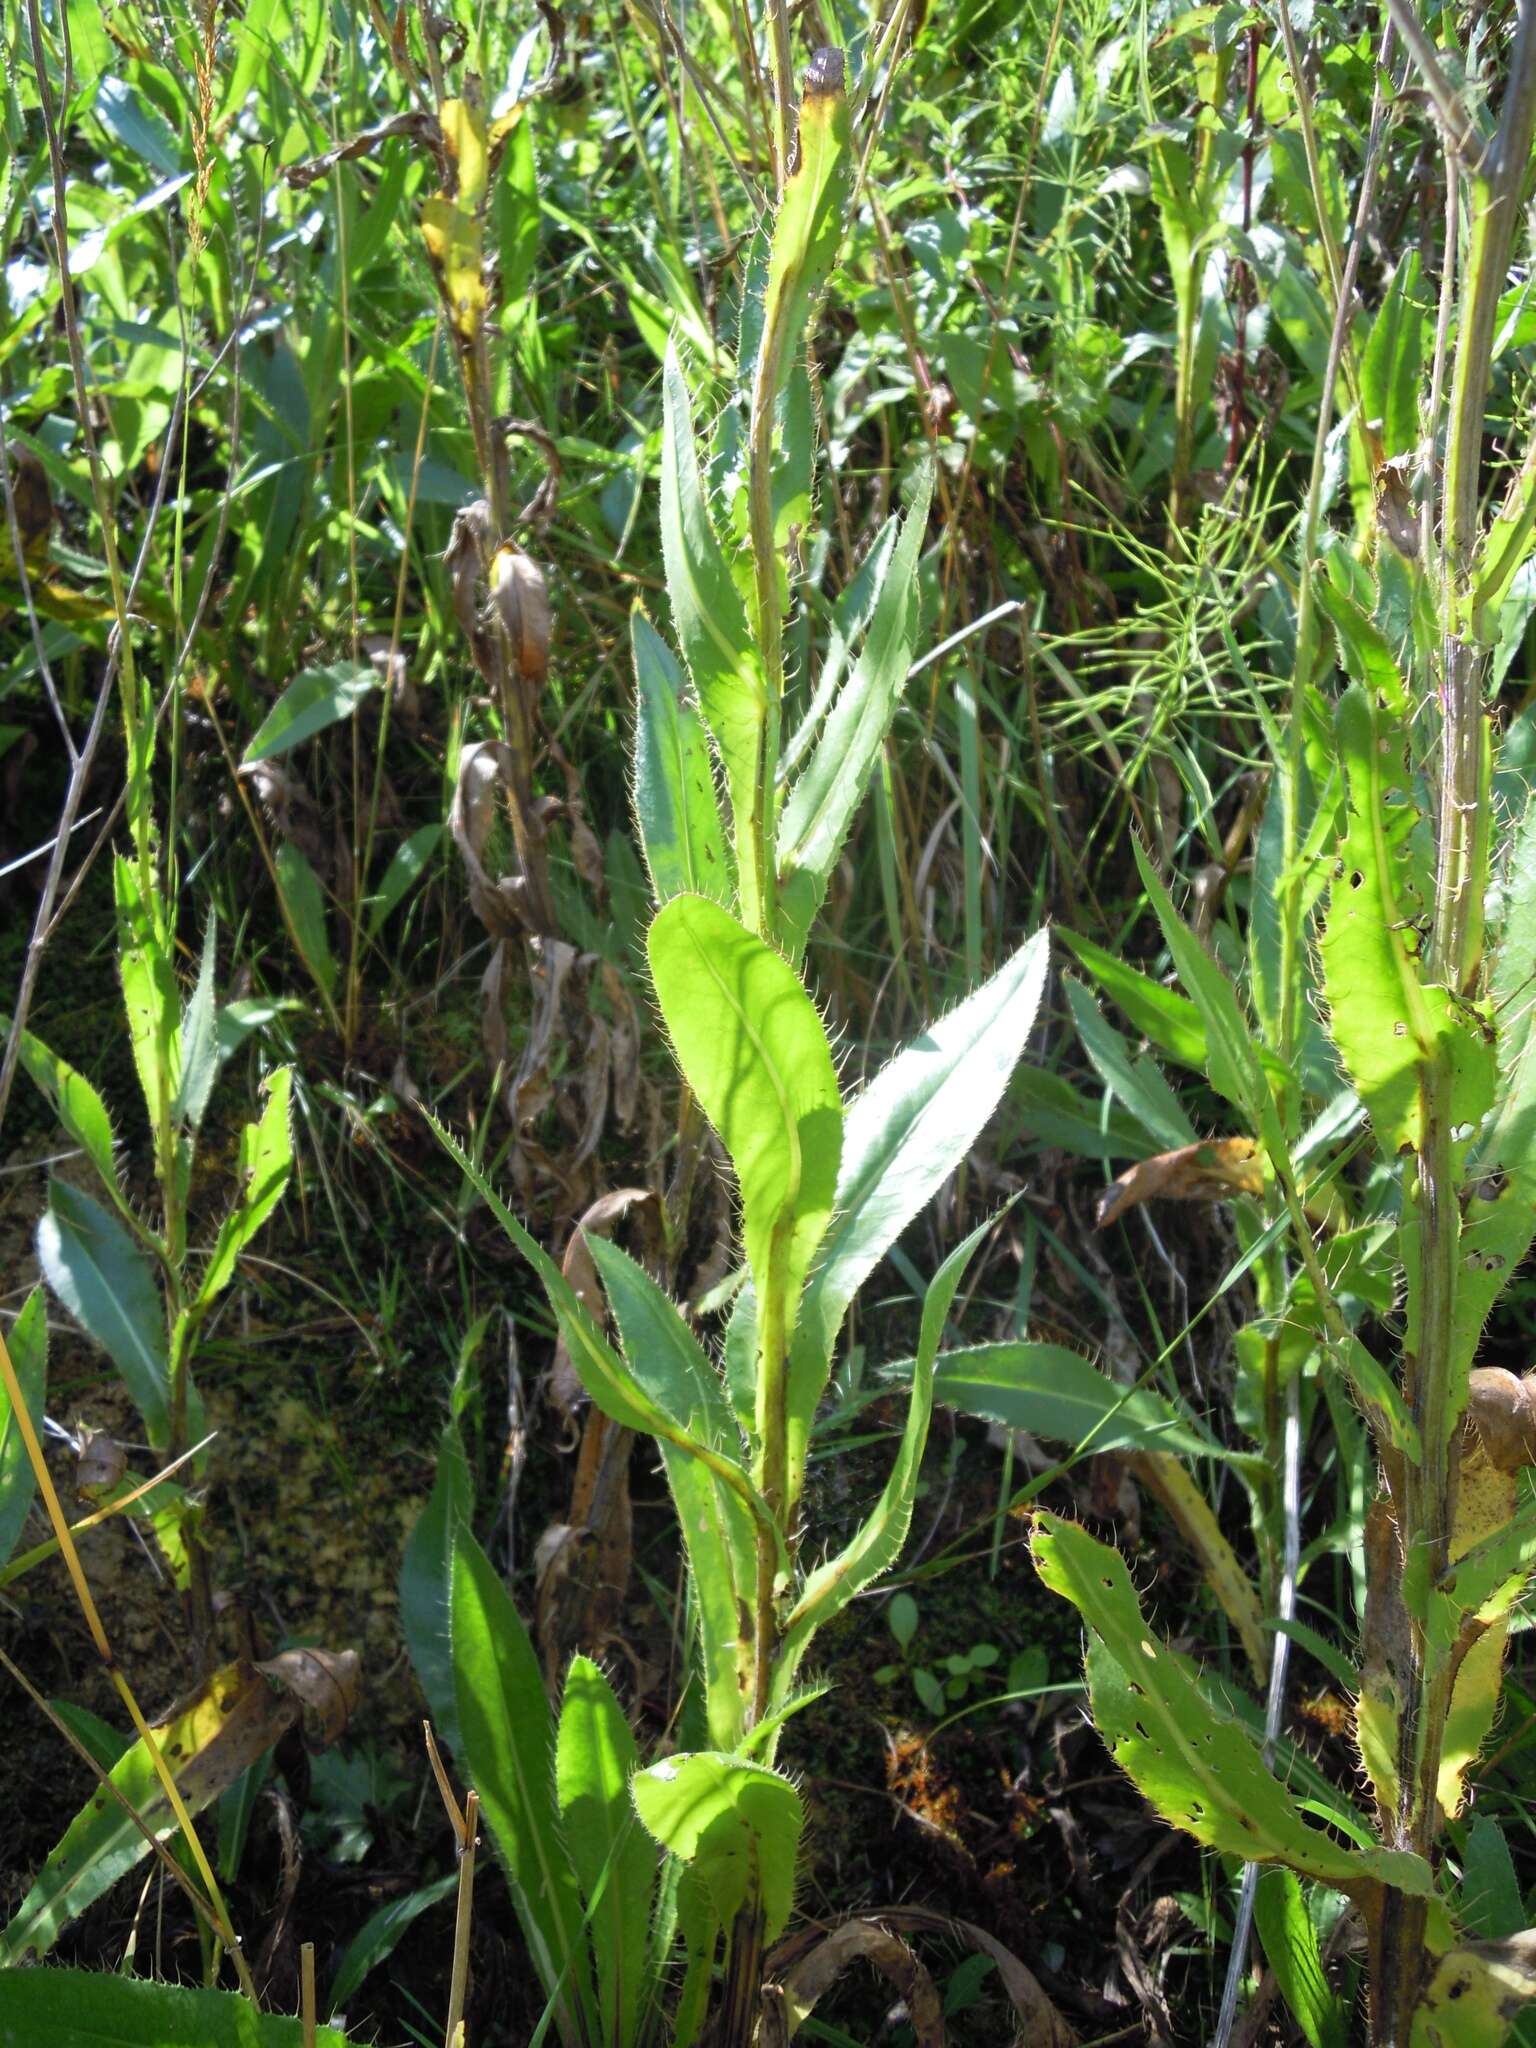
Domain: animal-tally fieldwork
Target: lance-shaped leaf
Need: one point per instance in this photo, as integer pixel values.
(904, 1136)
(738, 1824)
(721, 1539)
(659, 1347)
(711, 622)
(95, 2009)
(28, 1347)
(426, 1583)
(621, 1395)
(508, 1755)
(1055, 1393)
(1136, 1082)
(1192, 1759)
(1291, 1950)
(199, 1039)
(809, 227)
(753, 1049)
(615, 1859)
(877, 1544)
(315, 699)
(108, 1286)
(234, 1718)
(150, 995)
(675, 804)
(821, 806)
(266, 1159)
(74, 1102)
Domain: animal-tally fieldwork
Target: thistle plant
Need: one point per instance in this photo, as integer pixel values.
(1383, 854)
(826, 1184)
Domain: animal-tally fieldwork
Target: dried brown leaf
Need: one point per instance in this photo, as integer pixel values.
(1212, 1171)
(323, 1683)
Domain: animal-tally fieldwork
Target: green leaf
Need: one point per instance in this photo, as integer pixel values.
(1392, 361)
(313, 700)
(232, 1717)
(615, 1860)
(877, 1545)
(711, 624)
(1489, 1904)
(108, 1286)
(150, 994)
(304, 901)
(738, 1824)
(661, 1351)
(1050, 1111)
(266, 1159)
(407, 865)
(601, 1371)
(1168, 1019)
(374, 1942)
(1192, 1759)
(1387, 1024)
(675, 804)
(93, 2009)
(426, 1583)
(28, 1347)
(904, 1136)
(752, 1047)
(1233, 1056)
(74, 1102)
(1291, 1950)
(1054, 1393)
(1137, 1083)
(721, 1540)
(199, 1039)
(808, 230)
(821, 806)
(508, 1756)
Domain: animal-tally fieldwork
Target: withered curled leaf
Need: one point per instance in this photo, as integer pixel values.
(1212, 1171)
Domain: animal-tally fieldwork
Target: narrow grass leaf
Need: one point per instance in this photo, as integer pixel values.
(1137, 1084)
(304, 901)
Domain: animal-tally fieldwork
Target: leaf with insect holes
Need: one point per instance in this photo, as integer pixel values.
(508, 1755)
(1192, 1759)
(28, 1346)
(752, 1047)
(108, 1286)
(92, 2009)
(615, 1859)
(1387, 1023)
(675, 803)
